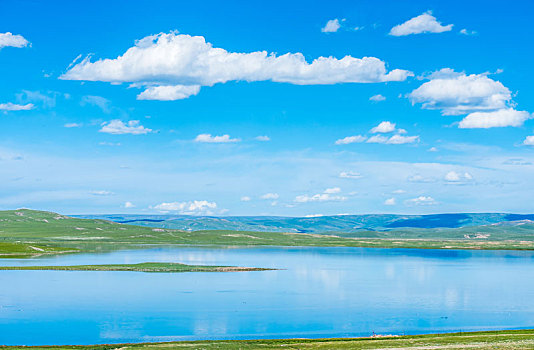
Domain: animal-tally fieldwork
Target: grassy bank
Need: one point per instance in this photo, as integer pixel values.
(521, 339)
(25, 250)
(141, 267)
(29, 233)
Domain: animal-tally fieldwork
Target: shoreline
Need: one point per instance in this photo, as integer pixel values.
(502, 339)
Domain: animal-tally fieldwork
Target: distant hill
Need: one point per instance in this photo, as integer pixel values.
(321, 224)
(29, 233)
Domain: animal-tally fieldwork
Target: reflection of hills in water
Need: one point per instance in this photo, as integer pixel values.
(339, 223)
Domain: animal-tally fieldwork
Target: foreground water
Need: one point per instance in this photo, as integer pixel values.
(323, 292)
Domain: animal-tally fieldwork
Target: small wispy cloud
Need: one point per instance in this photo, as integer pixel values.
(262, 138)
(390, 201)
(332, 26)
(468, 32)
(383, 127)
(16, 107)
(118, 127)
(377, 98)
(102, 193)
(196, 207)
(270, 196)
(328, 195)
(453, 176)
(421, 200)
(72, 125)
(101, 102)
(351, 139)
(393, 140)
(208, 138)
(350, 175)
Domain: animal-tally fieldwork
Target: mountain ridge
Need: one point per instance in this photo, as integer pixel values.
(316, 224)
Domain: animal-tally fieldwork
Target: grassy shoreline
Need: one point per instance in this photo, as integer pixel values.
(151, 267)
(29, 233)
(509, 339)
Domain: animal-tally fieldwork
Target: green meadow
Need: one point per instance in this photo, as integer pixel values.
(30, 233)
(504, 340)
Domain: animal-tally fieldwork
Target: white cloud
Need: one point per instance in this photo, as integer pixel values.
(378, 139)
(421, 200)
(16, 107)
(425, 23)
(270, 196)
(383, 127)
(188, 208)
(332, 190)
(467, 32)
(432, 149)
(452, 176)
(399, 191)
(118, 127)
(457, 93)
(349, 175)
(351, 139)
(174, 66)
(102, 193)
(10, 40)
(401, 140)
(377, 98)
(129, 205)
(529, 141)
(207, 138)
(393, 140)
(331, 26)
(390, 201)
(495, 119)
(169, 92)
(72, 125)
(487, 102)
(321, 197)
(326, 196)
(245, 199)
(263, 138)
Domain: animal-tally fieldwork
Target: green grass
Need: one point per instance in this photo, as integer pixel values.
(29, 233)
(507, 340)
(25, 250)
(141, 267)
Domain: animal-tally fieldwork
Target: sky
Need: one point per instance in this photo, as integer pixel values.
(298, 108)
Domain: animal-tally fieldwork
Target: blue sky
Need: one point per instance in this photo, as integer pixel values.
(196, 108)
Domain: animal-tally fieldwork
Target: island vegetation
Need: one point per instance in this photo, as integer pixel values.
(141, 267)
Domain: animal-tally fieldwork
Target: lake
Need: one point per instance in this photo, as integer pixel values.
(321, 292)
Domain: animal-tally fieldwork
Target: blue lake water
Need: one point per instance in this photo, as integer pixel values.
(323, 292)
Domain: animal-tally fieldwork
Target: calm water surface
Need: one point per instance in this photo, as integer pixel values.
(323, 292)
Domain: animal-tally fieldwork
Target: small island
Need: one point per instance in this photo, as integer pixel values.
(141, 267)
